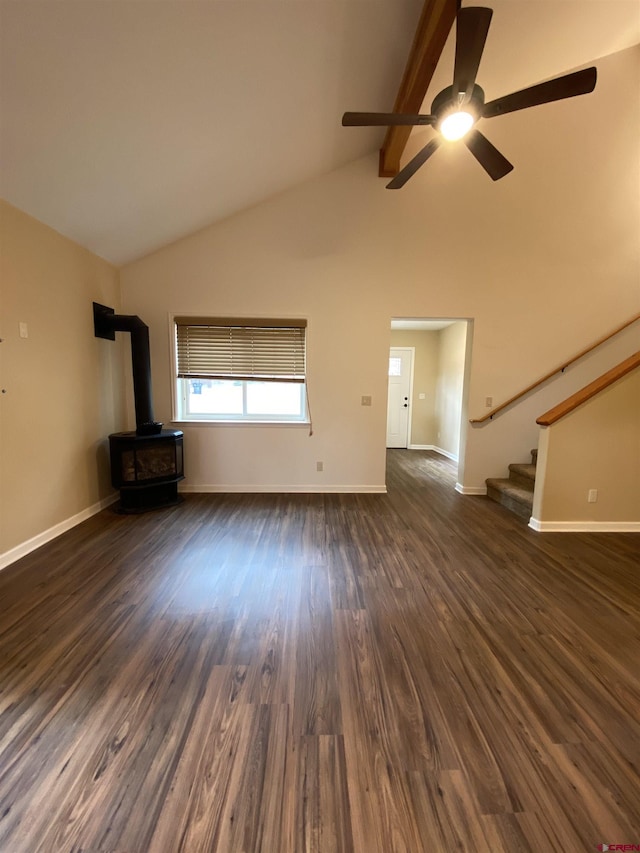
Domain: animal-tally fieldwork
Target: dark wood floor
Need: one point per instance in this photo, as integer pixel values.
(285, 673)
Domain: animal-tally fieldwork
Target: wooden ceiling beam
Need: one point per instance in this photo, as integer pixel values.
(434, 26)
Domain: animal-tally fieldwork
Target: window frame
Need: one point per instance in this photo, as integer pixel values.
(179, 386)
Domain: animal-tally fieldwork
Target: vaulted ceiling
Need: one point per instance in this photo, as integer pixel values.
(127, 124)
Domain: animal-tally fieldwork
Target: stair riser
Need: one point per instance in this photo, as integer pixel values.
(521, 509)
(522, 481)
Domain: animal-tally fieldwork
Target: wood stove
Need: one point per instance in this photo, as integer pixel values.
(146, 468)
(146, 465)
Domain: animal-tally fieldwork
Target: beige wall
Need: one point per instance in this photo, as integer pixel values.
(595, 447)
(424, 428)
(63, 386)
(544, 261)
(448, 409)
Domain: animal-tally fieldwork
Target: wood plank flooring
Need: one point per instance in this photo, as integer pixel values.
(396, 673)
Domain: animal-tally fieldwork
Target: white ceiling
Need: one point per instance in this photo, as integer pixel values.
(416, 325)
(127, 124)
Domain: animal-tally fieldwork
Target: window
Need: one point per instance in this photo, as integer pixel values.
(240, 369)
(395, 366)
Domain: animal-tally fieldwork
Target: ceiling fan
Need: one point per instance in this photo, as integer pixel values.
(456, 109)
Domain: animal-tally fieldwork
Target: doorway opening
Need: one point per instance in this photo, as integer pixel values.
(429, 364)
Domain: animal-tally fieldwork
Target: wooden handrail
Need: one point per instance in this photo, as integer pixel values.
(553, 372)
(589, 390)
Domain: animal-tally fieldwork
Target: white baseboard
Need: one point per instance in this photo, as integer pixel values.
(471, 490)
(47, 535)
(436, 449)
(217, 488)
(584, 526)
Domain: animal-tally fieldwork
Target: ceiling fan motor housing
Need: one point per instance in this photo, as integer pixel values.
(446, 102)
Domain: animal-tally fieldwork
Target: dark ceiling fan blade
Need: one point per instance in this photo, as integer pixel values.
(471, 34)
(578, 83)
(385, 119)
(487, 155)
(413, 165)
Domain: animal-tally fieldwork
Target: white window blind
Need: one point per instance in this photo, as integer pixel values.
(246, 349)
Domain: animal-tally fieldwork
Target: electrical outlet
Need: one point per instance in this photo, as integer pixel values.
(365, 400)
(422, 396)
(319, 466)
(592, 496)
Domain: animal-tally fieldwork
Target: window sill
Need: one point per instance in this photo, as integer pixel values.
(206, 423)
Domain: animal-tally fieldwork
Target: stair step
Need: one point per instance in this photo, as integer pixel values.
(523, 474)
(511, 495)
(516, 492)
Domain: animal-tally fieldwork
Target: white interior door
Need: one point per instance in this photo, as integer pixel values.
(399, 396)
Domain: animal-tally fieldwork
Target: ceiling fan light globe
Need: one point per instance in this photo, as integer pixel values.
(455, 125)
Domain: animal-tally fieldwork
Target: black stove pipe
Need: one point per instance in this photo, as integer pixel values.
(106, 323)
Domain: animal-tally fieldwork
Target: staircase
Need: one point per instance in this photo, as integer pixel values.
(516, 492)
